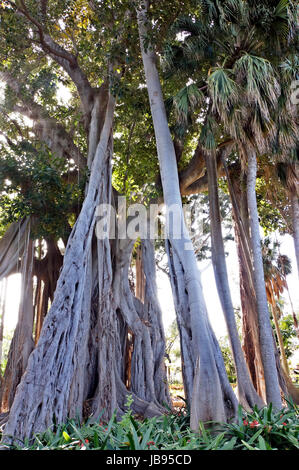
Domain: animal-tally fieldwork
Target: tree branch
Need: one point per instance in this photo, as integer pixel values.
(46, 128)
(65, 59)
(193, 178)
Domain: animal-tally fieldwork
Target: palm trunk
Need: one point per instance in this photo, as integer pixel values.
(280, 342)
(265, 329)
(204, 383)
(295, 221)
(246, 392)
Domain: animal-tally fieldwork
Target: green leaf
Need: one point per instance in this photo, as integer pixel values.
(262, 443)
(230, 444)
(66, 436)
(249, 446)
(146, 437)
(254, 437)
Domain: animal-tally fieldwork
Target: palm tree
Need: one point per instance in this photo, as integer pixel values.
(251, 86)
(242, 91)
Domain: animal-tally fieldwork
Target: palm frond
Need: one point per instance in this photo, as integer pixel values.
(186, 101)
(223, 91)
(258, 77)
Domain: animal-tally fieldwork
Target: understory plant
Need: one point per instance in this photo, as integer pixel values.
(263, 429)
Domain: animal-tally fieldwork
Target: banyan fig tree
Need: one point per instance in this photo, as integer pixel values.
(112, 115)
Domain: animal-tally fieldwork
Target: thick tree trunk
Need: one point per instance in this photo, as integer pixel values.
(265, 329)
(148, 372)
(142, 320)
(197, 343)
(246, 392)
(118, 317)
(53, 383)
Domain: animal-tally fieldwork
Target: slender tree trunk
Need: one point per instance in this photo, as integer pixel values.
(156, 331)
(265, 329)
(22, 342)
(251, 343)
(295, 222)
(47, 271)
(246, 392)
(208, 402)
(280, 342)
(140, 278)
(2, 320)
(38, 310)
(250, 335)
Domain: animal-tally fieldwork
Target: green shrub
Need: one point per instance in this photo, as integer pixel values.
(266, 429)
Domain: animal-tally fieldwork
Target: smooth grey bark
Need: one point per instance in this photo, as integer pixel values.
(246, 392)
(207, 399)
(265, 329)
(295, 223)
